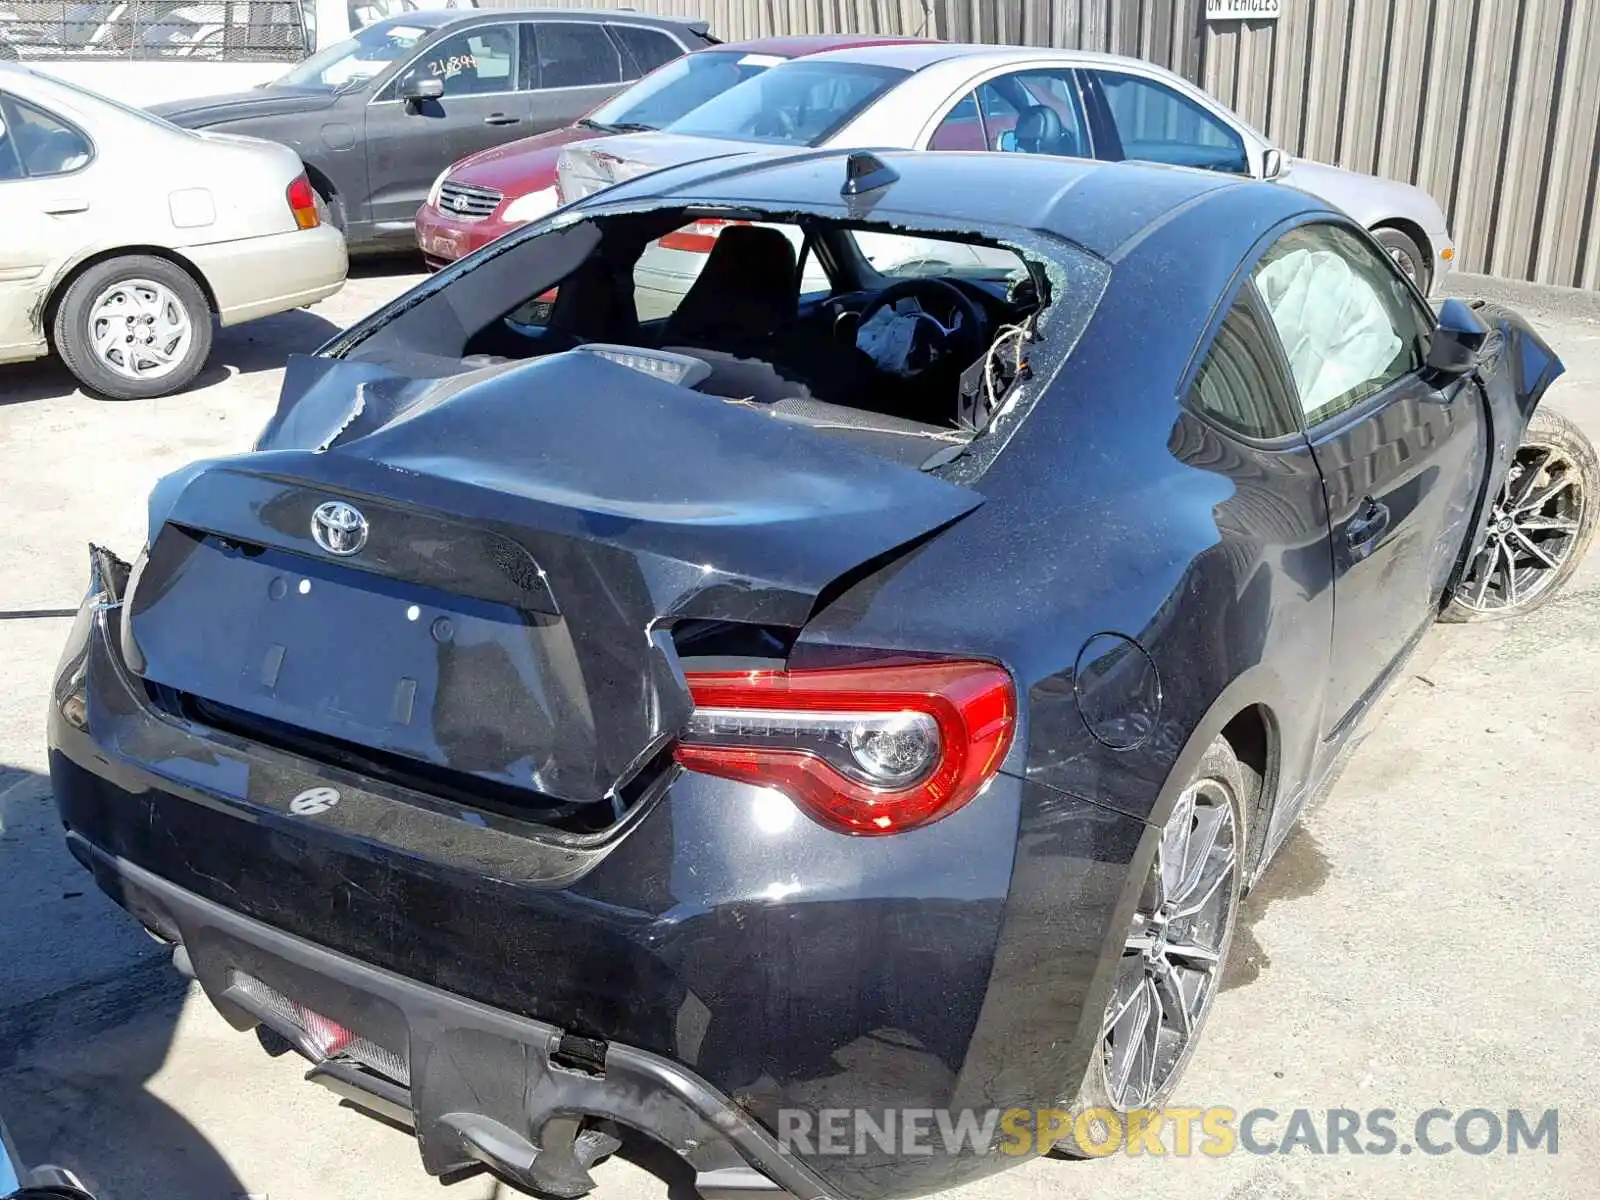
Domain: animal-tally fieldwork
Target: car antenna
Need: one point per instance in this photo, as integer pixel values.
(865, 172)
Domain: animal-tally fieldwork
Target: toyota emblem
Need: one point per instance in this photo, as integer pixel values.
(339, 528)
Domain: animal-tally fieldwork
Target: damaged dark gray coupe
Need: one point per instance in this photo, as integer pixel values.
(861, 671)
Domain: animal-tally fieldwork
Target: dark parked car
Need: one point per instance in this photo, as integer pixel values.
(873, 698)
(378, 116)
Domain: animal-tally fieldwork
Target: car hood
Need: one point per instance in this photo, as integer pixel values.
(507, 612)
(586, 167)
(526, 165)
(242, 106)
(1367, 198)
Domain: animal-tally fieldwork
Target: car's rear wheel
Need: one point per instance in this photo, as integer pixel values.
(1174, 950)
(1407, 255)
(133, 327)
(1540, 526)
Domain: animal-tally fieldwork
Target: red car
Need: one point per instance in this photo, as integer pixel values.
(486, 194)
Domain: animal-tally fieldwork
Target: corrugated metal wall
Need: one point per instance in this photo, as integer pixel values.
(737, 20)
(1493, 106)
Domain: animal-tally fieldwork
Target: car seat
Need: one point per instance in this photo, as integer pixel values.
(1040, 130)
(746, 292)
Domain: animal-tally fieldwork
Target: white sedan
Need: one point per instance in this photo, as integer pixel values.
(1018, 99)
(125, 238)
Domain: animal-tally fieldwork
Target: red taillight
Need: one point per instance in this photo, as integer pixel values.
(865, 750)
(697, 237)
(303, 203)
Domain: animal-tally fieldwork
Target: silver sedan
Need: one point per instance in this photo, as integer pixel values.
(939, 96)
(126, 238)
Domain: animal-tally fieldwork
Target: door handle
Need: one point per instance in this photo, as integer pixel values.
(1367, 527)
(60, 206)
(501, 119)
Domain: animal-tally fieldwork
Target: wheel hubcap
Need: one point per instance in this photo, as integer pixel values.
(1172, 959)
(1403, 260)
(1533, 528)
(139, 329)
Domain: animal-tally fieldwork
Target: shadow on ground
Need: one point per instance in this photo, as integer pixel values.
(88, 1008)
(238, 350)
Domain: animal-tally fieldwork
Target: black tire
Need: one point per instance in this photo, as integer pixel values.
(1577, 503)
(73, 336)
(1219, 771)
(1408, 255)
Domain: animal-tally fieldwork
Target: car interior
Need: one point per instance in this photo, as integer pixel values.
(901, 342)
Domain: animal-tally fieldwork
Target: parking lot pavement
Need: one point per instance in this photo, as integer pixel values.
(1424, 940)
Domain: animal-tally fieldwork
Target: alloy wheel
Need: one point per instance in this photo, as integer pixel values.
(1534, 527)
(1405, 261)
(1172, 960)
(139, 329)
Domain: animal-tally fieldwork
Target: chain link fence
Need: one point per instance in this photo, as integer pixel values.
(225, 31)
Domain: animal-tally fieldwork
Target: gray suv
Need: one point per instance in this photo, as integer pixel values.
(377, 116)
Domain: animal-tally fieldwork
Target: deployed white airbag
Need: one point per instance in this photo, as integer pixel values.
(1332, 322)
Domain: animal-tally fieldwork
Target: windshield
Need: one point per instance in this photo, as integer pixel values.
(801, 103)
(356, 59)
(680, 87)
(902, 256)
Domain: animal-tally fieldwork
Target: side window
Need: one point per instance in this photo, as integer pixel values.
(1033, 112)
(474, 62)
(646, 48)
(1155, 123)
(961, 129)
(1349, 325)
(10, 164)
(1239, 384)
(44, 144)
(576, 54)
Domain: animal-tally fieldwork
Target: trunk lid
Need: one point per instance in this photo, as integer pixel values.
(530, 534)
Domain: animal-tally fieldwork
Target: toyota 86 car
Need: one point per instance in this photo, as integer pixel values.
(874, 697)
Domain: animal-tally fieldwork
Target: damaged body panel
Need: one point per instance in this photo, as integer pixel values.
(499, 619)
(603, 703)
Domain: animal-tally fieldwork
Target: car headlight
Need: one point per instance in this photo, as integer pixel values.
(433, 192)
(532, 206)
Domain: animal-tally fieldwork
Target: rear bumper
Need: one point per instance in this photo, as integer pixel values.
(746, 959)
(480, 1086)
(256, 277)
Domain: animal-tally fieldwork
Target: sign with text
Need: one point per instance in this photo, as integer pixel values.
(1243, 10)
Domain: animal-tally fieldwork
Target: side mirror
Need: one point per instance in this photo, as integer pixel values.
(1274, 163)
(1006, 143)
(415, 91)
(1458, 339)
